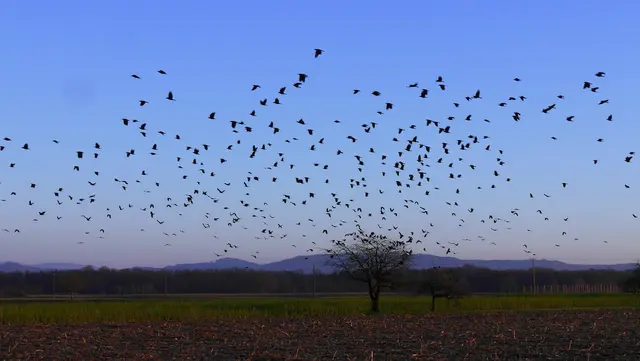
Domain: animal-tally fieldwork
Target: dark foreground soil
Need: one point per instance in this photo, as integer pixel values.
(558, 335)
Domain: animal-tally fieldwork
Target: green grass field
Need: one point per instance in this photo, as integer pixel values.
(120, 311)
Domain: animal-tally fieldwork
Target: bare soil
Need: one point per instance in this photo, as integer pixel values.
(553, 335)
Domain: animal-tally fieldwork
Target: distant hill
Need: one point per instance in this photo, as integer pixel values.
(16, 267)
(222, 263)
(426, 261)
(58, 266)
(305, 264)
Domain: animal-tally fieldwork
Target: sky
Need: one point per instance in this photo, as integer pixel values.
(67, 76)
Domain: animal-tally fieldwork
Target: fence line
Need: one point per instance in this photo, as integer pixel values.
(593, 288)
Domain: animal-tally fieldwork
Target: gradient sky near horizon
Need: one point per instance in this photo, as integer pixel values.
(66, 75)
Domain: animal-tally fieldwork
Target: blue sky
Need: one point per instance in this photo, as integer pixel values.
(66, 76)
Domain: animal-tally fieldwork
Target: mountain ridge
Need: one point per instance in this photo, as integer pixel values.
(305, 264)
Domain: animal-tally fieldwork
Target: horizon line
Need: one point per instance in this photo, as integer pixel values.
(39, 264)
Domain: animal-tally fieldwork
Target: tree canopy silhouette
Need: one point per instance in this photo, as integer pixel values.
(632, 283)
(371, 258)
(442, 283)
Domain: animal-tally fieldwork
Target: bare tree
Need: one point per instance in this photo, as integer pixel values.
(371, 258)
(441, 283)
(632, 283)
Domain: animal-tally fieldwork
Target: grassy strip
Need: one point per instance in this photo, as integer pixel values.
(198, 310)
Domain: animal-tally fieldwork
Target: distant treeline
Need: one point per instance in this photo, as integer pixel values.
(107, 281)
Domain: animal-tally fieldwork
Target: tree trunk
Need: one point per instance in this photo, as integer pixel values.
(374, 294)
(433, 299)
(375, 304)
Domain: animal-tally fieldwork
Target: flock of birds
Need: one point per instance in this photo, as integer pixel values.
(425, 156)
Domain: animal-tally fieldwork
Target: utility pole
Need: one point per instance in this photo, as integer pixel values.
(314, 281)
(54, 284)
(533, 272)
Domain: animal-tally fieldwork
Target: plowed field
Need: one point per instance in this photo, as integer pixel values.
(553, 335)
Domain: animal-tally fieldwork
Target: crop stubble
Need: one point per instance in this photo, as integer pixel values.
(552, 335)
